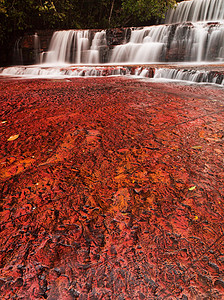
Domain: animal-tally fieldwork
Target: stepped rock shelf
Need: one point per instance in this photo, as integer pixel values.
(209, 73)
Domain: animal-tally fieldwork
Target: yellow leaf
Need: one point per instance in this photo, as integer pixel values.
(13, 137)
(196, 147)
(192, 188)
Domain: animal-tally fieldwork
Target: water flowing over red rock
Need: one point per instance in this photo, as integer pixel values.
(111, 188)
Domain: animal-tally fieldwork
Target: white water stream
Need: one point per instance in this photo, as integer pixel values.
(196, 10)
(200, 40)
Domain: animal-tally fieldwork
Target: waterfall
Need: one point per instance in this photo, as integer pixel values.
(98, 41)
(64, 43)
(145, 45)
(36, 48)
(17, 52)
(192, 34)
(182, 42)
(195, 42)
(198, 76)
(75, 46)
(196, 10)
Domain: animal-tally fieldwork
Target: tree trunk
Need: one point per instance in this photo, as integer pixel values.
(111, 11)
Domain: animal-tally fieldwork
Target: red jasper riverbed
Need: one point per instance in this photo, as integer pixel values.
(111, 188)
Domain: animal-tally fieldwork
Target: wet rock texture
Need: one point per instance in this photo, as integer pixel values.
(111, 189)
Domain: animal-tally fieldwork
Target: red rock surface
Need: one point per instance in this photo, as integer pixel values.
(111, 188)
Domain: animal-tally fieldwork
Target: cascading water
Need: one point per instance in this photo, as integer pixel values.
(98, 41)
(17, 53)
(182, 42)
(196, 10)
(190, 75)
(75, 46)
(62, 44)
(36, 48)
(194, 32)
(145, 45)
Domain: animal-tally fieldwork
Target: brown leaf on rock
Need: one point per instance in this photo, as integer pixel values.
(13, 137)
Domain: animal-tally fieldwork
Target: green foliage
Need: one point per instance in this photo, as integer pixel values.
(19, 15)
(146, 9)
(2, 7)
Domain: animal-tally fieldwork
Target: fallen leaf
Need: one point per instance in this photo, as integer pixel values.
(13, 137)
(202, 133)
(192, 188)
